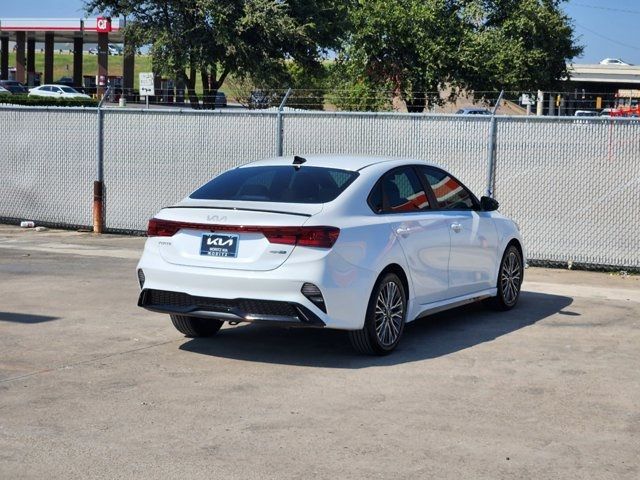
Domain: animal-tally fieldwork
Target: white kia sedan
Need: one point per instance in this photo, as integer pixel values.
(56, 91)
(356, 243)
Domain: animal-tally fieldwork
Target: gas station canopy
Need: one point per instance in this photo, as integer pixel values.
(64, 29)
(25, 32)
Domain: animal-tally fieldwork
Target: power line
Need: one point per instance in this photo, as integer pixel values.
(597, 34)
(620, 10)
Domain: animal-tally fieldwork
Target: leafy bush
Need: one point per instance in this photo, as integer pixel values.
(47, 102)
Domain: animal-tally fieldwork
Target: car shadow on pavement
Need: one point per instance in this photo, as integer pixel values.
(25, 317)
(430, 337)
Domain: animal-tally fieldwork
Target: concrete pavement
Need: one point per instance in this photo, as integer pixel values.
(91, 386)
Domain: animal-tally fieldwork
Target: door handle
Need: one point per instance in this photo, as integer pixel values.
(456, 227)
(403, 231)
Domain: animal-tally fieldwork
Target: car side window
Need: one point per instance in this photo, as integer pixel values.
(375, 198)
(450, 194)
(399, 191)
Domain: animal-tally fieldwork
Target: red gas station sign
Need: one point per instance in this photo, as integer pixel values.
(103, 24)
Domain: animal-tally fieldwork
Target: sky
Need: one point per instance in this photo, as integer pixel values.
(606, 28)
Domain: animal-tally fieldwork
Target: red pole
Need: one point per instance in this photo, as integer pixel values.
(98, 213)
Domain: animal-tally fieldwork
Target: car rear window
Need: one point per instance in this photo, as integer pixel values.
(277, 183)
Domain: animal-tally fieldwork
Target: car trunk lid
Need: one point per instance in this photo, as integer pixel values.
(230, 235)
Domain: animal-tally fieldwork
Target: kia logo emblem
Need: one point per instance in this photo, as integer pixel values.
(219, 242)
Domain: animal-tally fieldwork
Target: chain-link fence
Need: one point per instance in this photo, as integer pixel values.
(573, 186)
(571, 183)
(155, 158)
(457, 142)
(47, 164)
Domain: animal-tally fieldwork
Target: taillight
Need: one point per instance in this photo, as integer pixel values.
(162, 228)
(281, 235)
(319, 237)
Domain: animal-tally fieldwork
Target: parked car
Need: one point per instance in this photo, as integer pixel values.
(473, 111)
(356, 243)
(56, 91)
(14, 86)
(259, 99)
(4, 91)
(221, 100)
(68, 81)
(112, 49)
(613, 61)
(585, 113)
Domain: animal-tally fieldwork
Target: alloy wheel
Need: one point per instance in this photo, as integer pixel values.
(389, 314)
(510, 278)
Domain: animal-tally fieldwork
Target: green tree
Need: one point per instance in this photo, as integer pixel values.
(218, 38)
(406, 47)
(417, 48)
(517, 45)
(308, 85)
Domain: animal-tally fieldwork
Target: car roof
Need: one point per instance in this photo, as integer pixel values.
(339, 161)
(613, 60)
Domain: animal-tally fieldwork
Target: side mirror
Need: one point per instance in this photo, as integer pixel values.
(489, 204)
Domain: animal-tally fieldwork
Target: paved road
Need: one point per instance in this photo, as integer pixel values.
(93, 387)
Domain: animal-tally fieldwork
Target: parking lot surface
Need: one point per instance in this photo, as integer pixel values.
(91, 386)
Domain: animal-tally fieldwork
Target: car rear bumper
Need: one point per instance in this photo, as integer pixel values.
(232, 310)
(225, 293)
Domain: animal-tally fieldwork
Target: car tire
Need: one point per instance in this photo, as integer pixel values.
(385, 318)
(196, 327)
(509, 281)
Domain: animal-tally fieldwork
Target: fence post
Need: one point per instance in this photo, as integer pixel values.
(98, 184)
(280, 132)
(491, 172)
(540, 103)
